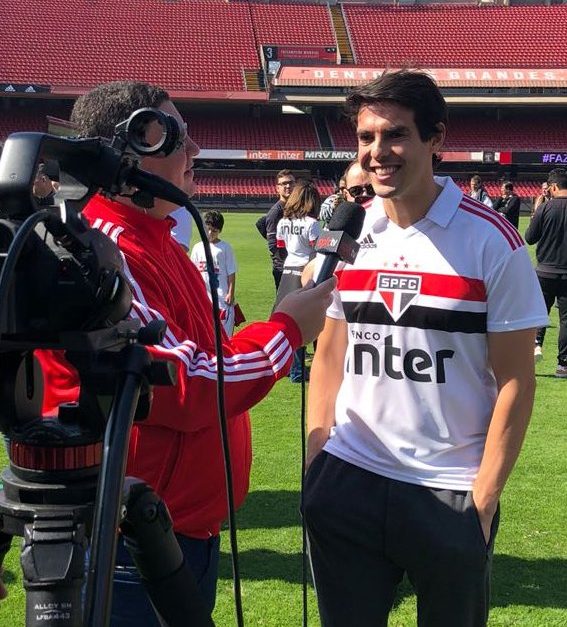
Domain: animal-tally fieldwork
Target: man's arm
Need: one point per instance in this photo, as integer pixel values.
(231, 280)
(273, 216)
(511, 357)
(533, 232)
(325, 380)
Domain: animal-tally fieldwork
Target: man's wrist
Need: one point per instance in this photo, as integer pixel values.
(486, 502)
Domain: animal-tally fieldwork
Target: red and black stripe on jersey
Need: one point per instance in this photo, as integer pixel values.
(446, 287)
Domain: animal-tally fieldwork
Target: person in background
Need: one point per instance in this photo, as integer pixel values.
(177, 448)
(358, 187)
(423, 382)
(330, 203)
(478, 192)
(43, 189)
(354, 186)
(296, 234)
(224, 264)
(508, 204)
(267, 225)
(183, 229)
(548, 229)
(543, 196)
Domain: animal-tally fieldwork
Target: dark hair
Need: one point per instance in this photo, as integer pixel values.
(558, 177)
(508, 186)
(412, 89)
(214, 219)
(304, 200)
(476, 178)
(283, 173)
(96, 113)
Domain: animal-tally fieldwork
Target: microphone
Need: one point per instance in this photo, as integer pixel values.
(339, 242)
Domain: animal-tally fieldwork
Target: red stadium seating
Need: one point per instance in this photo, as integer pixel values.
(282, 23)
(186, 45)
(243, 185)
(447, 35)
(284, 132)
(30, 118)
(527, 132)
(524, 189)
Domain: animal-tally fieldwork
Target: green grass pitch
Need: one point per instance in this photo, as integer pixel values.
(530, 562)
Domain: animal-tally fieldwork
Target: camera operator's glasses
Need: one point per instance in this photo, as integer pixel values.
(286, 183)
(361, 190)
(182, 141)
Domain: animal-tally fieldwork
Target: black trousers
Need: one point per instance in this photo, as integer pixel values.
(366, 531)
(555, 289)
(277, 274)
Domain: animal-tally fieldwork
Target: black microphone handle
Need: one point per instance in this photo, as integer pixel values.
(328, 267)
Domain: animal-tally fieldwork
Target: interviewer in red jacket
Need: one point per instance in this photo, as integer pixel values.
(177, 450)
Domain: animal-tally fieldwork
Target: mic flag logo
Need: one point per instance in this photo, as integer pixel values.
(398, 291)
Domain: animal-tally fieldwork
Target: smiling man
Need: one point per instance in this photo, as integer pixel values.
(423, 381)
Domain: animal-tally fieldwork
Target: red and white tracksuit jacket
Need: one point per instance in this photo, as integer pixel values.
(177, 449)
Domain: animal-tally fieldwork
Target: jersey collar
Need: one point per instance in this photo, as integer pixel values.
(441, 211)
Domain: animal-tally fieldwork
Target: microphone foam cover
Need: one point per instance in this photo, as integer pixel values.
(347, 217)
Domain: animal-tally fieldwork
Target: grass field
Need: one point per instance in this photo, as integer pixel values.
(530, 564)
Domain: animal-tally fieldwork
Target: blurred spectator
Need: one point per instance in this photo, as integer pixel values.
(183, 228)
(357, 184)
(224, 264)
(354, 186)
(478, 192)
(544, 196)
(330, 203)
(548, 228)
(508, 204)
(267, 225)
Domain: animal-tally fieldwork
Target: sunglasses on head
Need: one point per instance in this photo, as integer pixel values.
(361, 190)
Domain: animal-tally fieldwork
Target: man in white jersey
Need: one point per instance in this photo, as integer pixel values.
(423, 381)
(224, 264)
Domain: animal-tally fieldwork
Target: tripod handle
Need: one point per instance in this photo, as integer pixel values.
(148, 535)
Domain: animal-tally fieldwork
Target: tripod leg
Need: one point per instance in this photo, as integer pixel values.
(148, 535)
(53, 564)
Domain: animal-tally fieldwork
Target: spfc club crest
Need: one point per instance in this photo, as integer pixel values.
(398, 291)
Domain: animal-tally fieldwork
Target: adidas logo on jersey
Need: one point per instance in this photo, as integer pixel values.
(368, 242)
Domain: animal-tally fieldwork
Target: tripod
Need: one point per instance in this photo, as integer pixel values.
(52, 497)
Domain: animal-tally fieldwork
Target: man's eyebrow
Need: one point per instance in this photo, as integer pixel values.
(400, 128)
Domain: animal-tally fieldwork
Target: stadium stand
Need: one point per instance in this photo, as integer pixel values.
(246, 185)
(187, 45)
(524, 188)
(287, 23)
(284, 132)
(520, 132)
(206, 49)
(460, 36)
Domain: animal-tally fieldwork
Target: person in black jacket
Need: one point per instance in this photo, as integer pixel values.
(508, 204)
(267, 225)
(548, 228)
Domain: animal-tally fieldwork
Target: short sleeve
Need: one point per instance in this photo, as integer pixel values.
(314, 231)
(514, 298)
(230, 260)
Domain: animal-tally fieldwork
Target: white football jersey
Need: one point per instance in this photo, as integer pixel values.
(418, 392)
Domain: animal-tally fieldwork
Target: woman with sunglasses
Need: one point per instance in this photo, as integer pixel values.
(357, 186)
